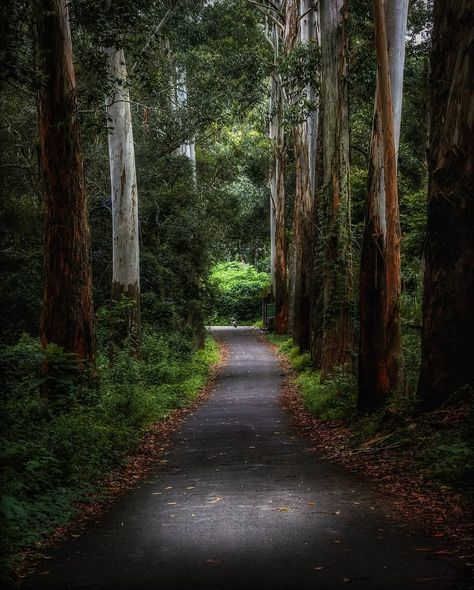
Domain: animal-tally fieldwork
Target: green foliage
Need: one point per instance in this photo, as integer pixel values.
(331, 399)
(53, 453)
(237, 289)
(449, 458)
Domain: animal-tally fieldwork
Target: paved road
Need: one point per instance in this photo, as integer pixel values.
(241, 504)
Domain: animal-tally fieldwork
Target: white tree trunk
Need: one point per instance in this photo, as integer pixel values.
(188, 148)
(123, 180)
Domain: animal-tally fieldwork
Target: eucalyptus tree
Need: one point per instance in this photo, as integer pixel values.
(278, 263)
(448, 302)
(124, 196)
(380, 284)
(299, 39)
(333, 340)
(124, 190)
(67, 314)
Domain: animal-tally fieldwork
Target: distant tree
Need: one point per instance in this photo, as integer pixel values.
(448, 301)
(380, 284)
(277, 187)
(67, 313)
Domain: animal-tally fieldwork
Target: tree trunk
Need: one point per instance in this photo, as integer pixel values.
(187, 148)
(448, 302)
(67, 315)
(123, 180)
(277, 196)
(380, 336)
(304, 198)
(335, 264)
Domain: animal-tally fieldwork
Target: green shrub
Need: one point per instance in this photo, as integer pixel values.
(237, 290)
(52, 453)
(332, 399)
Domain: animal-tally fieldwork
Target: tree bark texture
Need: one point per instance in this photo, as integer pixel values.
(123, 180)
(277, 202)
(448, 302)
(335, 259)
(67, 317)
(380, 284)
(303, 225)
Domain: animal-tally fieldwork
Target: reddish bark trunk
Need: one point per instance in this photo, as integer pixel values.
(302, 246)
(448, 302)
(67, 314)
(380, 284)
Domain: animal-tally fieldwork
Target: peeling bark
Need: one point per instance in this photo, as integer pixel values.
(380, 337)
(123, 180)
(448, 302)
(67, 314)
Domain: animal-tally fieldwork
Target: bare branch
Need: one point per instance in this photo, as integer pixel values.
(156, 32)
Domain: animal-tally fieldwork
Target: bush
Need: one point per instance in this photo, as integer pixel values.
(237, 290)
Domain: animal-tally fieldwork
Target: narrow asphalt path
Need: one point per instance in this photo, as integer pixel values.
(241, 504)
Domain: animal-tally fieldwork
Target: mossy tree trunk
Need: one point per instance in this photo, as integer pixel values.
(334, 326)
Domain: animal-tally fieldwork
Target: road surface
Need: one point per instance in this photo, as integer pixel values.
(241, 504)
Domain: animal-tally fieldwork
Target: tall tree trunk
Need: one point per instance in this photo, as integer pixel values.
(277, 196)
(187, 148)
(304, 202)
(335, 264)
(380, 336)
(123, 180)
(448, 301)
(67, 314)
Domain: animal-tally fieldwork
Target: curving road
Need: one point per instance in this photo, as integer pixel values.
(241, 504)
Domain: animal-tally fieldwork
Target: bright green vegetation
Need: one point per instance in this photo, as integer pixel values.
(331, 399)
(53, 452)
(442, 445)
(237, 290)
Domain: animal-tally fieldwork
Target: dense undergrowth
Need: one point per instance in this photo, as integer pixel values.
(55, 450)
(236, 290)
(441, 441)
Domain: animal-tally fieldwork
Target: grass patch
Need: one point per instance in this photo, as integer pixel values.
(331, 399)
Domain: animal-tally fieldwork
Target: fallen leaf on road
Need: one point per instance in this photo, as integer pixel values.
(216, 499)
(283, 509)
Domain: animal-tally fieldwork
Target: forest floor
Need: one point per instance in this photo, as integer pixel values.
(239, 500)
